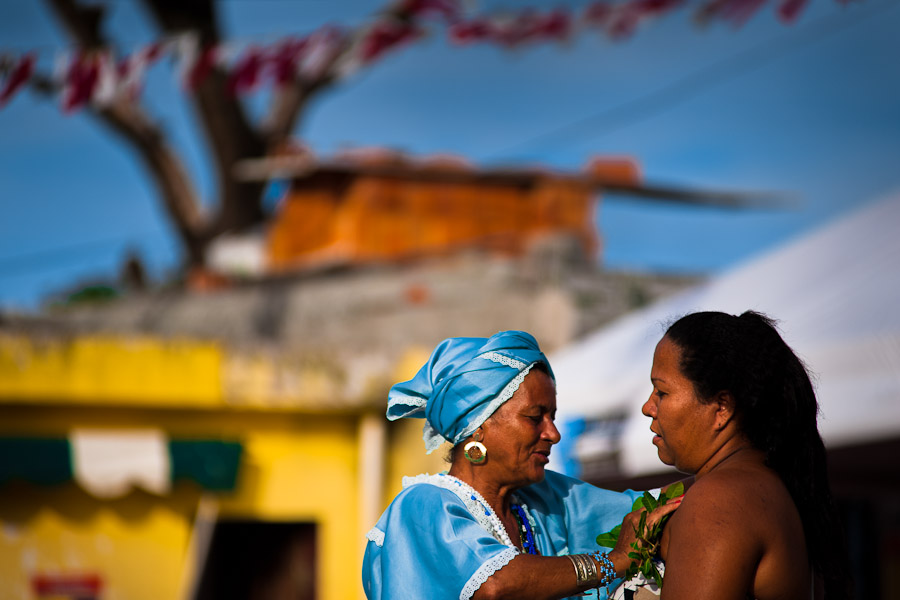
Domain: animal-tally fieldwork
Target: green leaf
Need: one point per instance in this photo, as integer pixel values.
(656, 576)
(675, 490)
(642, 524)
(607, 540)
(644, 548)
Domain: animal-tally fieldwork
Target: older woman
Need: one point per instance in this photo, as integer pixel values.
(497, 525)
(733, 405)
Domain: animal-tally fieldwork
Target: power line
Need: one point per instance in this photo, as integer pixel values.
(667, 97)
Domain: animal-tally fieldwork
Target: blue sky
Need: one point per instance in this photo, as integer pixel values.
(810, 109)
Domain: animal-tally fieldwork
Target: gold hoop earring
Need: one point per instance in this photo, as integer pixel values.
(475, 452)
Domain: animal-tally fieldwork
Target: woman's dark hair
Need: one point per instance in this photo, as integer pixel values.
(776, 409)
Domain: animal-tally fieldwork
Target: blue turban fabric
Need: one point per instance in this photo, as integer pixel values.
(463, 383)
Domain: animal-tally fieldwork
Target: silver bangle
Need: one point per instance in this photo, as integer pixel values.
(585, 570)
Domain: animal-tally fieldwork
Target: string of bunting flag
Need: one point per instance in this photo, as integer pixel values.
(98, 77)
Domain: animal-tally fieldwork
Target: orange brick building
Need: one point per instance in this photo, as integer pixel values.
(385, 207)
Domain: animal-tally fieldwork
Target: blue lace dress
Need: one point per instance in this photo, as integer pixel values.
(439, 539)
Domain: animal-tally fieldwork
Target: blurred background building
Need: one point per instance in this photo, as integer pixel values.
(247, 411)
(200, 315)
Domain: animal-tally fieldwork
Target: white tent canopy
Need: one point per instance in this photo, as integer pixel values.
(836, 296)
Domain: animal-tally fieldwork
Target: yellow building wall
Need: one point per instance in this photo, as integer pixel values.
(406, 456)
(298, 464)
(136, 544)
(294, 468)
(111, 370)
(405, 448)
(306, 471)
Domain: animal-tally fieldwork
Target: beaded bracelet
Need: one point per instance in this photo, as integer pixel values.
(586, 570)
(607, 569)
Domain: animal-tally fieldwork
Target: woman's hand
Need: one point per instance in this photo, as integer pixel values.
(630, 534)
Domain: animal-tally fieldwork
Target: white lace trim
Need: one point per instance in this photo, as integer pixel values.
(503, 360)
(407, 481)
(416, 403)
(475, 503)
(433, 438)
(490, 566)
(486, 517)
(376, 535)
(511, 388)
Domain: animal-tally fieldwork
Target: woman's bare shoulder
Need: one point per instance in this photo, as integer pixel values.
(739, 503)
(750, 480)
(736, 499)
(732, 532)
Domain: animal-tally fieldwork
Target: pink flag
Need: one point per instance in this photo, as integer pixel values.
(81, 79)
(556, 25)
(789, 10)
(246, 74)
(449, 9)
(131, 69)
(630, 15)
(474, 30)
(323, 47)
(18, 77)
(736, 11)
(285, 58)
(597, 14)
(202, 67)
(385, 35)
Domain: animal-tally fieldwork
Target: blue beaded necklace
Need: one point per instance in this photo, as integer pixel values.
(525, 532)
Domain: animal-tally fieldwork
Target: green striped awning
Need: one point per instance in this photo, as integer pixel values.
(109, 463)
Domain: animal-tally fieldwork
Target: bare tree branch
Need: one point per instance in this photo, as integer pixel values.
(130, 121)
(230, 135)
(82, 22)
(289, 101)
(168, 172)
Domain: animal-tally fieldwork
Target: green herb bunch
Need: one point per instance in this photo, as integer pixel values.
(644, 548)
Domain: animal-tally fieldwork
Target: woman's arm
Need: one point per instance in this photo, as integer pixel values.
(709, 546)
(551, 578)
(529, 576)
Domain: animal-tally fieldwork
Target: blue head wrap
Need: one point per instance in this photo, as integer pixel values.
(463, 383)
